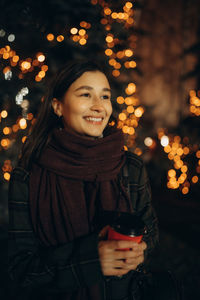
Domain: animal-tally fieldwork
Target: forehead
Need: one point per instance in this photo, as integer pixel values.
(92, 78)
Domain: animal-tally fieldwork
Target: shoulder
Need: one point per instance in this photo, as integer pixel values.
(136, 168)
(134, 160)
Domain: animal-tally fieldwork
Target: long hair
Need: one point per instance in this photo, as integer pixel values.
(46, 119)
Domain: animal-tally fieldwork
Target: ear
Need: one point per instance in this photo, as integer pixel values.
(57, 107)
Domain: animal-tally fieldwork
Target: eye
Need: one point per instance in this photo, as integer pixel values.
(85, 95)
(105, 97)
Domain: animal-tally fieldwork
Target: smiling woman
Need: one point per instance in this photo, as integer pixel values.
(67, 190)
(86, 106)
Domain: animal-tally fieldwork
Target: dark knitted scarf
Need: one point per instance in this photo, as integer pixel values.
(75, 177)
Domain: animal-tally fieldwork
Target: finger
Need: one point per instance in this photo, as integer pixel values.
(127, 254)
(110, 271)
(137, 260)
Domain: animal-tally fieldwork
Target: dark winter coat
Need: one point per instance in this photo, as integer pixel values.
(35, 270)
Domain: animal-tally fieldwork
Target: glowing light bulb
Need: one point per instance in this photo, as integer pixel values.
(164, 140)
(148, 141)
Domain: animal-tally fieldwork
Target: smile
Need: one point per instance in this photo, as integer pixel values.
(92, 119)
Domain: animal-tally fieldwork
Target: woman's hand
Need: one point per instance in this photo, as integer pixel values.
(116, 262)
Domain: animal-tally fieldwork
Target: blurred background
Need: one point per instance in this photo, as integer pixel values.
(151, 51)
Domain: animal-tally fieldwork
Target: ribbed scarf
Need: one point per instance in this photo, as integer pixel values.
(75, 178)
(73, 181)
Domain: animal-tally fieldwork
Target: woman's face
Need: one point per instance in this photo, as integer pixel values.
(86, 107)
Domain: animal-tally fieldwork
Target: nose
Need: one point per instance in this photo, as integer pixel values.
(97, 104)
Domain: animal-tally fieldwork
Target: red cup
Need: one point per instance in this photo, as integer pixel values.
(127, 227)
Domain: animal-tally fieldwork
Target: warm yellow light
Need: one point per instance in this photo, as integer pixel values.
(167, 148)
(131, 88)
(38, 78)
(22, 123)
(171, 156)
(41, 57)
(82, 41)
(112, 62)
(76, 38)
(180, 151)
(184, 169)
(15, 58)
(125, 129)
(120, 100)
(41, 74)
(134, 123)
(198, 154)
(6, 130)
(175, 146)
(128, 5)
(192, 93)
(6, 176)
(24, 139)
(122, 116)
(4, 142)
(109, 39)
(148, 141)
(117, 65)
(120, 54)
(121, 15)
(132, 64)
(128, 52)
(6, 69)
(178, 164)
(6, 55)
(44, 68)
(82, 32)
(183, 176)
(176, 158)
(108, 52)
(171, 173)
(50, 37)
(128, 101)
(115, 73)
(130, 21)
(164, 140)
(74, 30)
(60, 38)
(185, 190)
(4, 114)
(130, 109)
(139, 112)
(195, 179)
(186, 150)
(114, 15)
(131, 130)
(107, 11)
(26, 65)
(83, 24)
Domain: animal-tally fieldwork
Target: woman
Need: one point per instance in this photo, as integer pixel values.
(68, 177)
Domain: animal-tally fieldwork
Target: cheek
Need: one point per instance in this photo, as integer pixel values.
(109, 109)
(74, 108)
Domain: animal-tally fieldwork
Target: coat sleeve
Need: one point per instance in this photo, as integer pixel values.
(59, 269)
(140, 192)
(147, 211)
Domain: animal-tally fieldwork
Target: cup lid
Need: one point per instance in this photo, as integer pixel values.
(129, 224)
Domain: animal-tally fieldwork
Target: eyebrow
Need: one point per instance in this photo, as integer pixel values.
(86, 87)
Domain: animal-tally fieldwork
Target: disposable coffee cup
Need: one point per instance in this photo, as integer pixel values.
(127, 227)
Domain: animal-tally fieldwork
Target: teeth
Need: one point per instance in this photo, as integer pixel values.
(94, 119)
